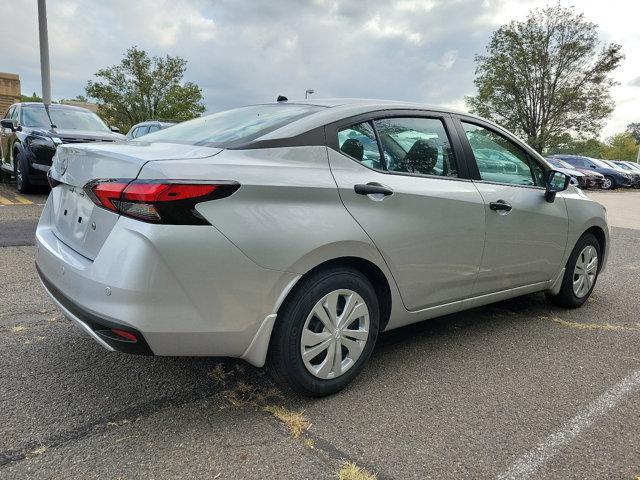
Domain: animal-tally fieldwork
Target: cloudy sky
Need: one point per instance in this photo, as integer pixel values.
(241, 51)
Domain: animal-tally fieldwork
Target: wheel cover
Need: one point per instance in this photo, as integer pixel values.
(585, 271)
(335, 334)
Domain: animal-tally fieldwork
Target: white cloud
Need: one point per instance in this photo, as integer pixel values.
(243, 51)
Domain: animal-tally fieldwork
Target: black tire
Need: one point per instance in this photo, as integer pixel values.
(21, 173)
(566, 297)
(285, 363)
(613, 184)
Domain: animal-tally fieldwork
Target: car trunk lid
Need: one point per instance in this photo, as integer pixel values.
(76, 220)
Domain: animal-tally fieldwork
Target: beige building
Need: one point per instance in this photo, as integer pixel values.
(9, 91)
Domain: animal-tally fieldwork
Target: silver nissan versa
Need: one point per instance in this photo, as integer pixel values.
(291, 234)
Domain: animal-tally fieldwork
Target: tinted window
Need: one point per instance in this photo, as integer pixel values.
(359, 142)
(62, 118)
(416, 145)
(233, 127)
(501, 160)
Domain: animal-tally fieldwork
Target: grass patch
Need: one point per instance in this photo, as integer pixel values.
(295, 422)
(589, 326)
(350, 471)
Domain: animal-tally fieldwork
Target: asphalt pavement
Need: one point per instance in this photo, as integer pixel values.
(519, 389)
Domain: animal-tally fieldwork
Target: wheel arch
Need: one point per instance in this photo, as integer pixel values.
(258, 350)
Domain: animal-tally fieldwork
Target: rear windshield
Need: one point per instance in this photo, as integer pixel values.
(232, 127)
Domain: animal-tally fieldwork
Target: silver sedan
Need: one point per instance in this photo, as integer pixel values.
(293, 233)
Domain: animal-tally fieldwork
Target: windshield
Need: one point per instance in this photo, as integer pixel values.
(600, 163)
(63, 119)
(555, 162)
(232, 127)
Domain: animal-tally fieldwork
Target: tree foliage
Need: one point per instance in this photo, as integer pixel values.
(621, 147)
(142, 88)
(546, 76)
(634, 130)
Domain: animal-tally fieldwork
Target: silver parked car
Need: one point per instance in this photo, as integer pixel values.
(293, 233)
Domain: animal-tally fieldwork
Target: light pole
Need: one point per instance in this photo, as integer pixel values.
(308, 92)
(44, 52)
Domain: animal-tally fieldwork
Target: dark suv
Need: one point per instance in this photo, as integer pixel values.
(29, 137)
(613, 178)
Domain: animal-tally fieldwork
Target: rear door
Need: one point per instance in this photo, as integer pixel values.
(526, 235)
(400, 179)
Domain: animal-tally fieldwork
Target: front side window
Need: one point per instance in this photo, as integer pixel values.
(416, 145)
(500, 160)
(142, 131)
(10, 112)
(359, 142)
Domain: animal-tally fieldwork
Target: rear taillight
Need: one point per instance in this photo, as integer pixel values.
(158, 201)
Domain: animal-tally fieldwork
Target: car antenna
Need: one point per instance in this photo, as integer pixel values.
(46, 109)
(282, 98)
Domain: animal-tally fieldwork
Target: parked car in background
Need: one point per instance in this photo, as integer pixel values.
(583, 179)
(273, 234)
(613, 178)
(29, 137)
(627, 168)
(150, 126)
(633, 165)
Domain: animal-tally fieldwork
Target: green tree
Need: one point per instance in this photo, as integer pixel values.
(546, 76)
(32, 98)
(621, 147)
(634, 130)
(591, 147)
(141, 88)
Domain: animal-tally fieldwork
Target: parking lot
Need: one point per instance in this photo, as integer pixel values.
(518, 389)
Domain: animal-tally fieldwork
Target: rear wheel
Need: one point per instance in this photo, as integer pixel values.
(608, 183)
(581, 273)
(325, 332)
(21, 172)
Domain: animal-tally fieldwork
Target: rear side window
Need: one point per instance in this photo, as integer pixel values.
(500, 160)
(359, 142)
(417, 145)
(233, 127)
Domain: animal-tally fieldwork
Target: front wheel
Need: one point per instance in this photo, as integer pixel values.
(608, 183)
(21, 172)
(581, 273)
(325, 332)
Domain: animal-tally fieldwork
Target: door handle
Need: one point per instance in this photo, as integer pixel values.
(372, 188)
(500, 206)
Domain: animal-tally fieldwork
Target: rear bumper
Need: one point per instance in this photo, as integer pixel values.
(182, 290)
(98, 328)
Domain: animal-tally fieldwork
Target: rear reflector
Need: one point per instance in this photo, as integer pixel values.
(158, 201)
(124, 334)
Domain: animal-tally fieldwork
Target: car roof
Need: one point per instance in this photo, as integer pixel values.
(336, 109)
(54, 106)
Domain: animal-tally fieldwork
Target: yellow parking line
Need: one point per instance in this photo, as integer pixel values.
(5, 201)
(23, 200)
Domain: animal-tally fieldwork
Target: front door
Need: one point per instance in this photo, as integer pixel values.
(526, 235)
(400, 180)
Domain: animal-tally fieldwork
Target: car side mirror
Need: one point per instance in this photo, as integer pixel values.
(9, 123)
(115, 129)
(556, 182)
